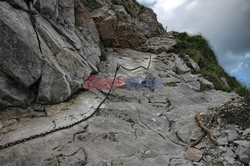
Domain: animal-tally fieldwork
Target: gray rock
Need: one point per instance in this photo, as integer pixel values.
(194, 85)
(18, 4)
(159, 45)
(180, 162)
(194, 65)
(181, 67)
(20, 56)
(232, 135)
(54, 86)
(88, 50)
(64, 78)
(246, 132)
(200, 146)
(38, 108)
(243, 153)
(206, 83)
(243, 143)
(194, 154)
(216, 133)
(48, 8)
(183, 135)
(66, 12)
(222, 149)
(188, 77)
(50, 36)
(209, 159)
(67, 58)
(149, 24)
(84, 20)
(74, 66)
(12, 93)
(222, 141)
(229, 156)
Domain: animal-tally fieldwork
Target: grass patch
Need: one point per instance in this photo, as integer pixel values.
(200, 50)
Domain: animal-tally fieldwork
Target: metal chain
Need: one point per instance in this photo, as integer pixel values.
(7, 145)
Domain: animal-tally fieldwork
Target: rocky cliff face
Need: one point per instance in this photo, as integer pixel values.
(124, 23)
(49, 48)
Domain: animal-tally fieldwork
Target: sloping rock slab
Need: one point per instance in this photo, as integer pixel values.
(60, 115)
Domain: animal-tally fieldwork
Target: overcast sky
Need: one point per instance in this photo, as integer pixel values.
(226, 24)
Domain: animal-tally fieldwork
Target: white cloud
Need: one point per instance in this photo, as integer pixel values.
(192, 5)
(147, 1)
(225, 23)
(247, 55)
(166, 5)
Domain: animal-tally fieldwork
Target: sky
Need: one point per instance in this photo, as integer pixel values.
(225, 23)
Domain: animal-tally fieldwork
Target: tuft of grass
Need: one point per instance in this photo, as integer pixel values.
(200, 50)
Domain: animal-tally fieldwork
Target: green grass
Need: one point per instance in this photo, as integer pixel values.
(200, 50)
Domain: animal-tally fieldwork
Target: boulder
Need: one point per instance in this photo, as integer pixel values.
(180, 66)
(54, 86)
(206, 84)
(193, 64)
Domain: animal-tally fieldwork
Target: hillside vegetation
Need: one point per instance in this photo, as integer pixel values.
(199, 49)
